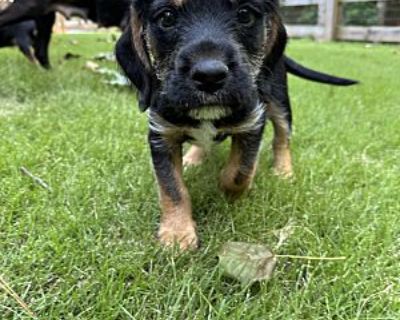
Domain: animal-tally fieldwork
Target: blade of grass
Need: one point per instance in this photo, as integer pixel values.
(4, 285)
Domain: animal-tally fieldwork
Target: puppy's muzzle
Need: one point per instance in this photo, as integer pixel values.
(206, 64)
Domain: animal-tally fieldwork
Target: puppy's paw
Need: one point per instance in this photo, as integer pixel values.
(283, 163)
(284, 172)
(183, 236)
(233, 194)
(232, 190)
(194, 157)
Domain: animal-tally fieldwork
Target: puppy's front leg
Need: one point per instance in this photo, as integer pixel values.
(238, 174)
(177, 225)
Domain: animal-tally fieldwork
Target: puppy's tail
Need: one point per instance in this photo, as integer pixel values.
(298, 70)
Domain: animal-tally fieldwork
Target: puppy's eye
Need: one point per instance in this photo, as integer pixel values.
(167, 19)
(246, 17)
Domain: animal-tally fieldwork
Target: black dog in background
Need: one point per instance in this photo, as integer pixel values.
(107, 13)
(207, 70)
(22, 35)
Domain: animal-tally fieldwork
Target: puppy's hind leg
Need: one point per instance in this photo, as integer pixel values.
(41, 44)
(25, 46)
(280, 116)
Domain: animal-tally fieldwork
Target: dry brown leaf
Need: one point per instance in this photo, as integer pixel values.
(251, 263)
(246, 262)
(284, 234)
(92, 66)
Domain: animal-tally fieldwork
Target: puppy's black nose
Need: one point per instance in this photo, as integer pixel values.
(209, 75)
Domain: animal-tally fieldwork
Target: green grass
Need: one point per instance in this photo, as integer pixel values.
(87, 249)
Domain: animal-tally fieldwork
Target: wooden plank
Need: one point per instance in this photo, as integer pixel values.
(373, 34)
(381, 6)
(331, 19)
(299, 31)
(321, 12)
(295, 3)
(347, 1)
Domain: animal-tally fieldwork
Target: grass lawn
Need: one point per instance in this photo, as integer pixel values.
(86, 250)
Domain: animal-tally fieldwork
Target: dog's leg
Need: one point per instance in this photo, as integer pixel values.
(22, 10)
(238, 174)
(194, 156)
(41, 44)
(177, 225)
(24, 45)
(281, 121)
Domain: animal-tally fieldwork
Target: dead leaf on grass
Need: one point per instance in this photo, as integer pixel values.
(250, 263)
(70, 56)
(246, 262)
(284, 234)
(113, 77)
(92, 66)
(105, 56)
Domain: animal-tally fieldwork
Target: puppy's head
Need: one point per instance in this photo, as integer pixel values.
(186, 56)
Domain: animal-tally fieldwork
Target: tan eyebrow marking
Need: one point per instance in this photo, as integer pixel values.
(178, 2)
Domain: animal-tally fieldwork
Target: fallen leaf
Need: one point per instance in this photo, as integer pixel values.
(113, 77)
(284, 234)
(118, 80)
(250, 263)
(104, 56)
(246, 262)
(70, 55)
(92, 66)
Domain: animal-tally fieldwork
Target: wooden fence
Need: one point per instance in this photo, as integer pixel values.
(329, 20)
(74, 25)
(325, 20)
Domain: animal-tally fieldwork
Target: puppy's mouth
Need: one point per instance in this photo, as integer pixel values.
(210, 112)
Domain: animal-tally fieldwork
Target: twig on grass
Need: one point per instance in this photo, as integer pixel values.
(35, 179)
(4, 285)
(310, 258)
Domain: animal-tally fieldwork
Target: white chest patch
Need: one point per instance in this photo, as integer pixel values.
(210, 113)
(204, 135)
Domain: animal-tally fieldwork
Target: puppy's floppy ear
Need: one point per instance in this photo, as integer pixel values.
(132, 56)
(276, 37)
(275, 44)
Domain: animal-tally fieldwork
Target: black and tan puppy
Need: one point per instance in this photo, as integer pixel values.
(106, 13)
(207, 70)
(21, 35)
